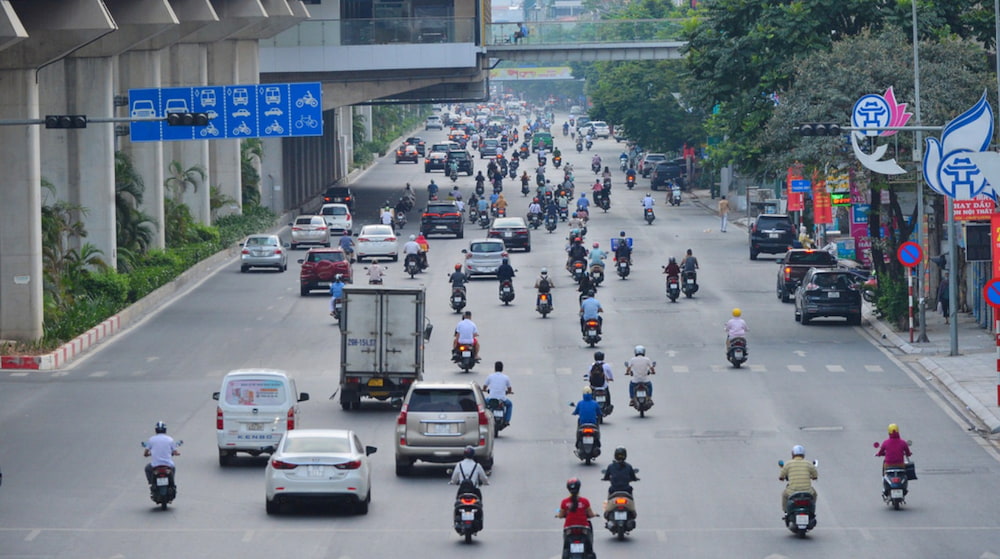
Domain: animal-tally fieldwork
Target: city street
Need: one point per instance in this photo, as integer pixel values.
(708, 451)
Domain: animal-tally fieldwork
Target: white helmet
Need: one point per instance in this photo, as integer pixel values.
(798, 450)
(639, 350)
(413, 237)
(545, 271)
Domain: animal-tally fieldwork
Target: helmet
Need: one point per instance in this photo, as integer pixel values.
(469, 452)
(893, 428)
(535, 199)
(597, 245)
(432, 181)
(574, 214)
(413, 237)
(545, 271)
(590, 293)
(673, 260)
(160, 427)
(588, 390)
(599, 355)
(573, 485)
(338, 277)
(639, 350)
(583, 195)
(622, 234)
(798, 450)
(620, 454)
(737, 312)
(458, 267)
(506, 260)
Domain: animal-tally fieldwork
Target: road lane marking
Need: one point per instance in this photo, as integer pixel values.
(835, 368)
(874, 369)
(661, 535)
(98, 374)
(866, 534)
(796, 369)
(32, 535)
(19, 374)
(564, 371)
(247, 536)
(719, 368)
(681, 369)
(60, 374)
(758, 368)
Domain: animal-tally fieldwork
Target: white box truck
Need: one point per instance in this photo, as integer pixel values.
(382, 335)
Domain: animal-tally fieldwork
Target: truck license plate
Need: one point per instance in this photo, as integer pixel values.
(376, 382)
(621, 515)
(896, 493)
(162, 481)
(588, 440)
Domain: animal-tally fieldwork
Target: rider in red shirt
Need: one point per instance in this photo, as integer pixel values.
(894, 449)
(576, 510)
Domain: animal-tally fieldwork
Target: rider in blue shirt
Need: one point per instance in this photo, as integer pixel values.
(583, 203)
(590, 309)
(336, 292)
(587, 410)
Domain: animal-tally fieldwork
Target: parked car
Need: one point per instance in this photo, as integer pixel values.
(483, 258)
(513, 231)
(321, 266)
(664, 172)
(433, 121)
(376, 240)
(795, 264)
(339, 195)
(600, 129)
(263, 251)
(442, 217)
(828, 292)
(438, 420)
(319, 465)
(465, 161)
(407, 152)
(771, 233)
(648, 161)
(338, 218)
(309, 230)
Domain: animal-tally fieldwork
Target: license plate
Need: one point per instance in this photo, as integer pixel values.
(833, 294)
(602, 399)
(640, 393)
(468, 516)
(738, 354)
(896, 493)
(466, 354)
(802, 520)
(690, 281)
(673, 286)
(576, 547)
(376, 382)
(255, 427)
(440, 428)
(323, 284)
(315, 471)
(588, 440)
(507, 234)
(772, 235)
(258, 253)
(440, 226)
(456, 299)
(498, 414)
(591, 332)
(162, 481)
(621, 515)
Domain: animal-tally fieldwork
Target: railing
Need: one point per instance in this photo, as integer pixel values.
(604, 31)
(382, 31)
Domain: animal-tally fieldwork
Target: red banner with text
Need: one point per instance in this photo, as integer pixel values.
(796, 200)
(995, 243)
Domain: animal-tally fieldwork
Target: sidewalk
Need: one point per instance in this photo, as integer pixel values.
(971, 376)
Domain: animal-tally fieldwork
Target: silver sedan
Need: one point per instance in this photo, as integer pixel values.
(263, 251)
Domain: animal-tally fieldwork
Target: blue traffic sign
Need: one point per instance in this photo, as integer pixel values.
(801, 185)
(235, 111)
(991, 292)
(910, 254)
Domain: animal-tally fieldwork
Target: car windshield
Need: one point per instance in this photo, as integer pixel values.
(317, 444)
(773, 223)
(303, 220)
(810, 257)
(334, 210)
(326, 257)
(377, 230)
(262, 241)
(485, 248)
(458, 155)
(835, 281)
(442, 400)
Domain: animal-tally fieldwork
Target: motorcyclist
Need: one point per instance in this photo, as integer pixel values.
(582, 203)
(639, 368)
(894, 449)
(347, 245)
(432, 190)
(736, 327)
(501, 204)
(623, 159)
(799, 475)
(525, 179)
(375, 272)
(648, 202)
(675, 191)
(544, 284)
(336, 292)
(606, 174)
(468, 475)
(562, 200)
(621, 474)
(505, 272)
(534, 207)
(623, 251)
(412, 250)
(458, 278)
(575, 251)
(424, 248)
(161, 449)
(483, 205)
(453, 169)
(690, 264)
(455, 194)
(552, 211)
(590, 309)
(480, 180)
(497, 385)
(597, 256)
(587, 411)
(577, 512)
(556, 153)
(630, 174)
(386, 216)
(467, 333)
(599, 375)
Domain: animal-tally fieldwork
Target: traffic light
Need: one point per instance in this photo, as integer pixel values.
(820, 129)
(65, 121)
(187, 119)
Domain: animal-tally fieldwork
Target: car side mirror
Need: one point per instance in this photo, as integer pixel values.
(215, 395)
(301, 260)
(465, 251)
(286, 245)
(290, 224)
(303, 396)
(369, 450)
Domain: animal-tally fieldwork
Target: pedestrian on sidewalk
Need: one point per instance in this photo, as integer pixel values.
(724, 213)
(944, 298)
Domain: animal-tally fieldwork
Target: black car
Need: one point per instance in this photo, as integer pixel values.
(465, 162)
(664, 172)
(442, 217)
(339, 195)
(418, 142)
(771, 233)
(828, 292)
(513, 231)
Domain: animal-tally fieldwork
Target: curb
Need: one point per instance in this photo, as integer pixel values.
(119, 322)
(971, 402)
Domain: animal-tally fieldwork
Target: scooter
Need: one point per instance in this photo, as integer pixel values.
(630, 181)
(592, 332)
(480, 189)
(597, 274)
(412, 264)
(623, 267)
(563, 213)
(468, 515)
(544, 304)
(689, 283)
(498, 408)
(338, 306)
(737, 353)
(604, 202)
(579, 147)
(595, 166)
(649, 216)
(453, 175)
(588, 446)
(163, 490)
(895, 483)
(557, 161)
(578, 542)
(642, 400)
(577, 268)
(619, 515)
(673, 288)
(457, 299)
(534, 220)
(601, 397)
(800, 510)
(550, 223)
(524, 189)
(484, 220)
(400, 220)
(590, 144)
(463, 356)
(473, 214)
(675, 196)
(506, 291)
(623, 164)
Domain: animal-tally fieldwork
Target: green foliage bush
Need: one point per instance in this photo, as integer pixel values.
(891, 302)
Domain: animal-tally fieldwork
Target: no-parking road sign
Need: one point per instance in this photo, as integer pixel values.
(991, 292)
(909, 254)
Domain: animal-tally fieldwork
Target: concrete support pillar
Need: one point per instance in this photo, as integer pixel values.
(366, 112)
(20, 213)
(344, 118)
(140, 69)
(188, 67)
(272, 176)
(223, 69)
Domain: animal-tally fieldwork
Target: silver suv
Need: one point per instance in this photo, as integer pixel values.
(438, 420)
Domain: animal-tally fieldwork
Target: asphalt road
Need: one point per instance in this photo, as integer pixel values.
(69, 440)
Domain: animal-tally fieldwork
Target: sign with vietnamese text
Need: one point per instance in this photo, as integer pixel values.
(978, 208)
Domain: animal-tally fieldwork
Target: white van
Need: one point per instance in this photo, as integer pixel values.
(256, 407)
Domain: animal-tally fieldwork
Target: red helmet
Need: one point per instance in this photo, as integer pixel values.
(597, 245)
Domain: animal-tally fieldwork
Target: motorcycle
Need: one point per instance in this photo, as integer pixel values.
(648, 215)
(506, 291)
(534, 220)
(579, 147)
(896, 481)
(498, 408)
(550, 223)
(675, 196)
(673, 288)
(338, 306)
(800, 510)
(524, 189)
(473, 214)
(592, 332)
(590, 144)
(577, 267)
(604, 202)
(642, 400)
(412, 264)
(619, 515)
(544, 304)
(468, 515)
(557, 161)
(595, 166)
(623, 267)
(596, 274)
(163, 490)
(623, 164)
(463, 356)
(588, 446)
(601, 397)
(578, 542)
(689, 283)
(453, 175)
(512, 168)
(563, 213)
(630, 181)
(480, 189)
(737, 353)
(399, 221)
(484, 220)
(457, 299)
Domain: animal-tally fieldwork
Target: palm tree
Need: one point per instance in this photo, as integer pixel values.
(251, 153)
(63, 267)
(180, 178)
(135, 229)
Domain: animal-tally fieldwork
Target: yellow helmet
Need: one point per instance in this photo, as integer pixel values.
(737, 312)
(587, 389)
(893, 428)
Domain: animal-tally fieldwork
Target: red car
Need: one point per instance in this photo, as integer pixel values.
(319, 268)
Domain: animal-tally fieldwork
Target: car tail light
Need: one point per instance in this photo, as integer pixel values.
(291, 418)
(321, 228)
(401, 425)
(405, 381)
(363, 239)
(218, 419)
(245, 251)
(277, 251)
(788, 272)
(621, 501)
(296, 228)
(347, 199)
(484, 424)
(352, 465)
(432, 215)
(279, 465)
(390, 239)
(451, 214)
(812, 287)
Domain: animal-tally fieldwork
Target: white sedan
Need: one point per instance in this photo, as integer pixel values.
(376, 240)
(319, 464)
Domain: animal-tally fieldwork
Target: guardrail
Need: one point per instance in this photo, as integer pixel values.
(381, 31)
(605, 31)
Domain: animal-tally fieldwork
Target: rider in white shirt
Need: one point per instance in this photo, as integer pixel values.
(498, 386)
(161, 449)
(736, 327)
(648, 202)
(639, 368)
